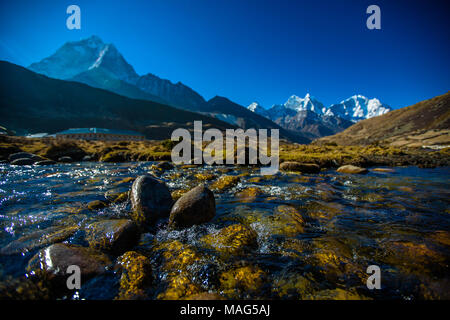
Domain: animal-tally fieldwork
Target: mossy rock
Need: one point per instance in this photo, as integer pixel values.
(246, 280)
(232, 240)
(249, 194)
(224, 183)
(352, 169)
(205, 176)
(179, 286)
(136, 276)
(97, 205)
(176, 255)
(176, 194)
(299, 167)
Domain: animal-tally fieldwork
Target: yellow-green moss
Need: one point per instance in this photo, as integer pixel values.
(136, 276)
(234, 239)
(224, 183)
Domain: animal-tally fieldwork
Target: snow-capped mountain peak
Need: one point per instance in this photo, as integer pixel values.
(353, 109)
(257, 108)
(358, 107)
(306, 103)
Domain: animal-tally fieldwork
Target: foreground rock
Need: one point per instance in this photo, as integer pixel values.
(351, 169)
(56, 258)
(194, 207)
(150, 200)
(299, 167)
(114, 236)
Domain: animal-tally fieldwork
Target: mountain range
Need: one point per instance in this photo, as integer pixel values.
(100, 65)
(308, 116)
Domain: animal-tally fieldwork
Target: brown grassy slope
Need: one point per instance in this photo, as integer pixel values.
(424, 123)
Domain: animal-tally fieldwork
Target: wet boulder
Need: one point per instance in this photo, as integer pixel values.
(164, 165)
(22, 162)
(194, 207)
(150, 200)
(299, 167)
(56, 258)
(87, 158)
(64, 149)
(65, 159)
(20, 155)
(114, 236)
(351, 169)
(45, 163)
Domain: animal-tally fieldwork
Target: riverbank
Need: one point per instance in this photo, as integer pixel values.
(326, 156)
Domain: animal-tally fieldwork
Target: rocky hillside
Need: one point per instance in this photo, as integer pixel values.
(30, 103)
(426, 123)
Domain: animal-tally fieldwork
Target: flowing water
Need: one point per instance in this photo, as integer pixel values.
(315, 234)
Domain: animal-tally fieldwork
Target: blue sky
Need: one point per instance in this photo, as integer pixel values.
(254, 50)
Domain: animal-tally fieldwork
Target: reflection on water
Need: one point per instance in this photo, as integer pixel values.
(287, 236)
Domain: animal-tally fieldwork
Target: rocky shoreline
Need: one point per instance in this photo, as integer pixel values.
(47, 151)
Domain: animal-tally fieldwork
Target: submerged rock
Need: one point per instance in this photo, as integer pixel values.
(235, 239)
(38, 239)
(136, 276)
(351, 169)
(287, 221)
(224, 183)
(386, 170)
(150, 200)
(205, 176)
(96, 205)
(249, 194)
(115, 236)
(246, 280)
(299, 167)
(56, 258)
(194, 207)
(116, 197)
